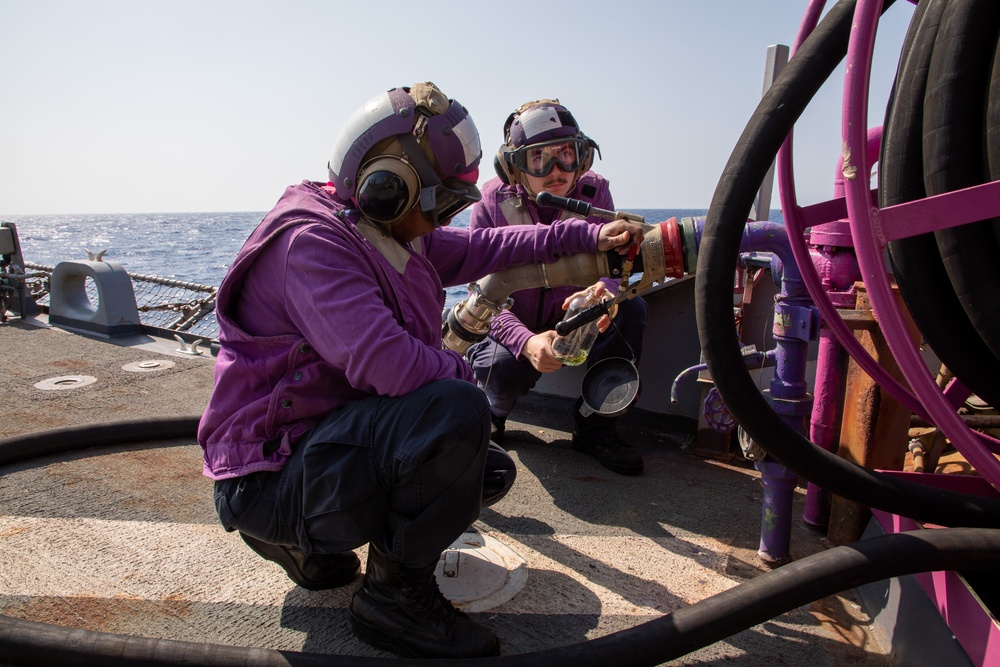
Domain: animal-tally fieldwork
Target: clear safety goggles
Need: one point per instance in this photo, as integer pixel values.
(539, 159)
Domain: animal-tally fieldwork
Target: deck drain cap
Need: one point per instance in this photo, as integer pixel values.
(478, 573)
(148, 365)
(65, 382)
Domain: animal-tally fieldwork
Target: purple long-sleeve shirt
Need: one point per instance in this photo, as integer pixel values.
(320, 308)
(537, 309)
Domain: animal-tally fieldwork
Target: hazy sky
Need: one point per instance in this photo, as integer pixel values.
(133, 106)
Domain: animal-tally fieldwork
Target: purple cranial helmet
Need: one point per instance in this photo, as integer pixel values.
(404, 147)
(539, 121)
(539, 135)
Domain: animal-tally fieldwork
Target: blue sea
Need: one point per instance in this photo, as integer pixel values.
(193, 247)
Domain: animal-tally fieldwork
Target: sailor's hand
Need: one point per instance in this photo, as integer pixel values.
(538, 350)
(619, 235)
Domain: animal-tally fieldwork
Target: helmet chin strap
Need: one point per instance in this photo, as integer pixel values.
(429, 178)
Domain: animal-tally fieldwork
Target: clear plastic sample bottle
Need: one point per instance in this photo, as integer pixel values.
(573, 348)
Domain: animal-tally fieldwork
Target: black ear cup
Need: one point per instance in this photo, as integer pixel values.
(387, 188)
(506, 125)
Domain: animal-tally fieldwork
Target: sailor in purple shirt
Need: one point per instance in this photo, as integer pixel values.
(545, 150)
(337, 419)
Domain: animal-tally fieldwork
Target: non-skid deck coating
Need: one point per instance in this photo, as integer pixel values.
(125, 539)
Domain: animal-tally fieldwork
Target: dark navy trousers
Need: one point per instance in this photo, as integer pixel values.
(403, 472)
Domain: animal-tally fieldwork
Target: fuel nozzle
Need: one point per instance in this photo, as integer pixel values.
(583, 208)
(660, 255)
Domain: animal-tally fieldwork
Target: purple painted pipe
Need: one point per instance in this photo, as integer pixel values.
(795, 324)
(775, 511)
(836, 265)
(824, 424)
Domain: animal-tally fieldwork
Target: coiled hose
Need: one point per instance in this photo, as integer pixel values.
(933, 140)
(717, 256)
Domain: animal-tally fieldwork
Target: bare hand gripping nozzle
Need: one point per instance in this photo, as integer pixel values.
(660, 255)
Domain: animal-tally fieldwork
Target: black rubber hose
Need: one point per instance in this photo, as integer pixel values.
(993, 124)
(717, 257)
(954, 156)
(917, 266)
(72, 438)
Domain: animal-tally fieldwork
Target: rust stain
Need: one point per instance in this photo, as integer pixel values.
(14, 530)
(831, 614)
(102, 614)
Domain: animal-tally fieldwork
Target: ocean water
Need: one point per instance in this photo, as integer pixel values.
(193, 247)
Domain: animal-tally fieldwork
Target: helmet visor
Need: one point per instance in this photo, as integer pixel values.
(441, 202)
(539, 159)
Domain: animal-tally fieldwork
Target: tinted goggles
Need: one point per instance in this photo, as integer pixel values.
(539, 159)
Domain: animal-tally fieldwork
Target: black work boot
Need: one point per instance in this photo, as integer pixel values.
(402, 610)
(317, 572)
(598, 436)
(499, 475)
(498, 428)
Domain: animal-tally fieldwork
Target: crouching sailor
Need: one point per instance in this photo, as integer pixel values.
(337, 419)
